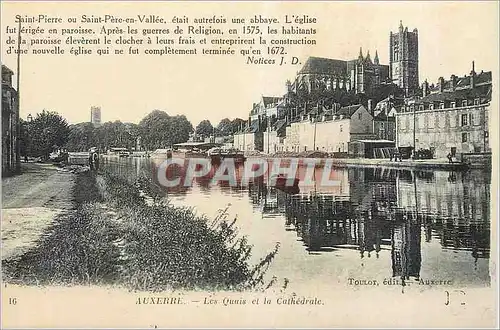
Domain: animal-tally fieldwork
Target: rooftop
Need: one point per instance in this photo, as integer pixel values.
(349, 110)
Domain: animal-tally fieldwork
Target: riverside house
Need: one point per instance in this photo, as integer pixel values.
(451, 117)
(330, 133)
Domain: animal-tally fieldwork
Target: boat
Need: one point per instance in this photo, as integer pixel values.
(217, 154)
(120, 152)
(188, 153)
(161, 153)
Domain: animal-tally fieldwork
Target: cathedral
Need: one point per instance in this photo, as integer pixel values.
(364, 75)
(360, 75)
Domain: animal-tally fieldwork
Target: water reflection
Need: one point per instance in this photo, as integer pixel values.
(405, 213)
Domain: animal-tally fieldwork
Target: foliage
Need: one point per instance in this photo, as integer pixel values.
(47, 132)
(228, 127)
(81, 137)
(236, 124)
(156, 130)
(159, 130)
(117, 134)
(225, 127)
(204, 128)
(170, 246)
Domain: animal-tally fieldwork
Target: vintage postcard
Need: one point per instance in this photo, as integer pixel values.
(249, 164)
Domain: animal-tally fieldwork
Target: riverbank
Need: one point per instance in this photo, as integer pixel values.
(125, 234)
(31, 201)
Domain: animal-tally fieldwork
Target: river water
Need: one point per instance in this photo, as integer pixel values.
(377, 224)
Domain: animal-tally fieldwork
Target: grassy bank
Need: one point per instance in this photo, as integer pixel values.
(125, 233)
(76, 249)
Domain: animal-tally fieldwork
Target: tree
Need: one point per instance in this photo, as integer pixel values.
(204, 128)
(225, 127)
(236, 124)
(159, 130)
(81, 137)
(48, 131)
(181, 129)
(151, 129)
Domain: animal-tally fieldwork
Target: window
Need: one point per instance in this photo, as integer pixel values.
(476, 102)
(465, 137)
(341, 128)
(464, 119)
(432, 120)
(471, 119)
(360, 115)
(453, 104)
(464, 103)
(441, 105)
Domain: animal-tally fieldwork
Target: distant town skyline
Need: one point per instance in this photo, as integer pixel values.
(128, 88)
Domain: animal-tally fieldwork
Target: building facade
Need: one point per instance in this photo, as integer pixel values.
(384, 125)
(10, 124)
(95, 116)
(450, 118)
(250, 136)
(268, 106)
(274, 136)
(330, 133)
(403, 59)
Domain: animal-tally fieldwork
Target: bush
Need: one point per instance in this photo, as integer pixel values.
(169, 246)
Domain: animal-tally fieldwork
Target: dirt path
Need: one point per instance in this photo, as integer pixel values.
(30, 202)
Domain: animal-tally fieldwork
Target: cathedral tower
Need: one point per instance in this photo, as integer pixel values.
(403, 59)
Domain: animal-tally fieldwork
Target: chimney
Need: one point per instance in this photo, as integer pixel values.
(453, 80)
(425, 89)
(472, 77)
(441, 84)
(370, 106)
(249, 121)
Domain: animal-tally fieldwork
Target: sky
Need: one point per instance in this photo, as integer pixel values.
(451, 36)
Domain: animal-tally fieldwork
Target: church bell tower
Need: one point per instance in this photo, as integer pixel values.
(403, 58)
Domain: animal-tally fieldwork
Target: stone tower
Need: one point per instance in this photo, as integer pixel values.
(95, 116)
(403, 59)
